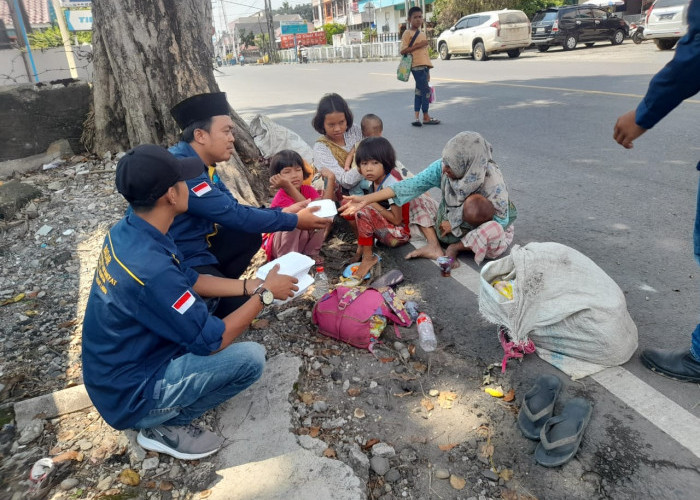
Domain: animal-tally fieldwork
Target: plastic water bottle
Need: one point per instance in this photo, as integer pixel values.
(426, 334)
(321, 283)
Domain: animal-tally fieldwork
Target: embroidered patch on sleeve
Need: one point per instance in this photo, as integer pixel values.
(201, 189)
(183, 303)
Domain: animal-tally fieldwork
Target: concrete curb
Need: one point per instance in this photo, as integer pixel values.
(264, 459)
(51, 405)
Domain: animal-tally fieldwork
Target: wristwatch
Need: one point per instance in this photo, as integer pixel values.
(265, 295)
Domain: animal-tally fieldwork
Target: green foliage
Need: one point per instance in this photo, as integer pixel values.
(247, 37)
(448, 12)
(51, 37)
(261, 40)
(368, 34)
(432, 53)
(304, 10)
(332, 29)
(529, 7)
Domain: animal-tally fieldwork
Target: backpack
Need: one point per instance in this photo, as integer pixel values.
(346, 314)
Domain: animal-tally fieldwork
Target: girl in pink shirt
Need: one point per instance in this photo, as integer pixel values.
(288, 175)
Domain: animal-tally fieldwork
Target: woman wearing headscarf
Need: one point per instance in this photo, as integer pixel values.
(475, 212)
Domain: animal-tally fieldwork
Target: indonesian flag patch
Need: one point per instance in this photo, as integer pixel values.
(183, 303)
(201, 189)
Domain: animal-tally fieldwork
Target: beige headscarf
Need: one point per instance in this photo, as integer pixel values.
(469, 157)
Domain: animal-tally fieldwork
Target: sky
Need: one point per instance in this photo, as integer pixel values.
(242, 8)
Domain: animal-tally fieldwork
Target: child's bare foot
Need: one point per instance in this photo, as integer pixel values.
(427, 252)
(453, 251)
(357, 257)
(365, 266)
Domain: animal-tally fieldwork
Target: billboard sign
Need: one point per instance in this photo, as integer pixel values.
(79, 20)
(293, 27)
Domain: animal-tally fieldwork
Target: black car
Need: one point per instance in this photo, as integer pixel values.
(567, 26)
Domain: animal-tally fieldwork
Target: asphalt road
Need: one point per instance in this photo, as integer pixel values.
(549, 118)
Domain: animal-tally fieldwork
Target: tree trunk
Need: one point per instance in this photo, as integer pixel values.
(148, 56)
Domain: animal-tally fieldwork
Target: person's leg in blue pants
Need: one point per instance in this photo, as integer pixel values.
(421, 101)
(194, 384)
(683, 364)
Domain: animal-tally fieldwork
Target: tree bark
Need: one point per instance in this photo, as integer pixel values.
(150, 55)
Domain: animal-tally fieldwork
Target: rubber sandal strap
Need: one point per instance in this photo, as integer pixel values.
(536, 416)
(547, 445)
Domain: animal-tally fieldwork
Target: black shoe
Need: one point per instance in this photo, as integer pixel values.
(679, 365)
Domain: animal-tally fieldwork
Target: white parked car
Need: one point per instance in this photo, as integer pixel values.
(486, 33)
(666, 22)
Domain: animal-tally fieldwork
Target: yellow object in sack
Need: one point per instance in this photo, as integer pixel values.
(505, 288)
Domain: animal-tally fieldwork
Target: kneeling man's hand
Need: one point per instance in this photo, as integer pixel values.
(307, 220)
(281, 285)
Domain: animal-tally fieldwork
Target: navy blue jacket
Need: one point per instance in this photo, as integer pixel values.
(141, 313)
(211, 203)
(678, 80)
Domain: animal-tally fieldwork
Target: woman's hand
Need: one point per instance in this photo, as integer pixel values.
(281, 285)
(445, 228)
(327, 174)
(352, 204)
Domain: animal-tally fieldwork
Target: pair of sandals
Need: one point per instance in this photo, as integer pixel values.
(432, 121)
(560, 436)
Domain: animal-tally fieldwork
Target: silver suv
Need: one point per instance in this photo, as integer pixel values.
(666, 22)
(486, 33)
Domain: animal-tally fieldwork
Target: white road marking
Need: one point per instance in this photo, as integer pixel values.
(668, 416)
(661, 411)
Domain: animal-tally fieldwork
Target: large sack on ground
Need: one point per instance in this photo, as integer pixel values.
(271, 138)
(575, 314)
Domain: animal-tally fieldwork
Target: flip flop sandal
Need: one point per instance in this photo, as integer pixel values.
(561, 436)
(390, 278)
(417, 123)
(432, 121)
(351, 268)
(538, 405)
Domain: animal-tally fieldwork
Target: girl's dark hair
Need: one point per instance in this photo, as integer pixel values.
(330, 103)
(287, 158)
(376, 148)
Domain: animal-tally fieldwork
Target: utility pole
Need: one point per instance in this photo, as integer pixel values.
(63, 28)
(270, 31)
(22, 40)
(233, 37)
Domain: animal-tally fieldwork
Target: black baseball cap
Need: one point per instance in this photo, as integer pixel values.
(146, 172)
(200, 107)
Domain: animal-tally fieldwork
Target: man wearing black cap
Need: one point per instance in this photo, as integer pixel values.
(217, 235)
(153, 357)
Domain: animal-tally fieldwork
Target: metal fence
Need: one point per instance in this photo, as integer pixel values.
(358, 51)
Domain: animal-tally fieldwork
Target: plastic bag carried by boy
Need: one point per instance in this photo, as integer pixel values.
(572, 311)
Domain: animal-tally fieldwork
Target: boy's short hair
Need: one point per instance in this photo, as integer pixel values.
(413, 10)
(367, 121)
(287, 158)
(330, 103)
(376, 148)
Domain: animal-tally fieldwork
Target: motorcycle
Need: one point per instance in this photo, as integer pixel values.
(637, 33)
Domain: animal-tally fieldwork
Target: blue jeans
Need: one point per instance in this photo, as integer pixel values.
(421, 100)
(194, 384)
(695, 344)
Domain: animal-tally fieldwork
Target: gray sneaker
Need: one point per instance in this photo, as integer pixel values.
(184, 442)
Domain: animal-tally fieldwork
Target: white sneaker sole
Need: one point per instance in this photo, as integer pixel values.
(153, 445)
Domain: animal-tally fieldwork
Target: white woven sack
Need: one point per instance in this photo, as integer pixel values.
(271, 138)
(568, 306)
